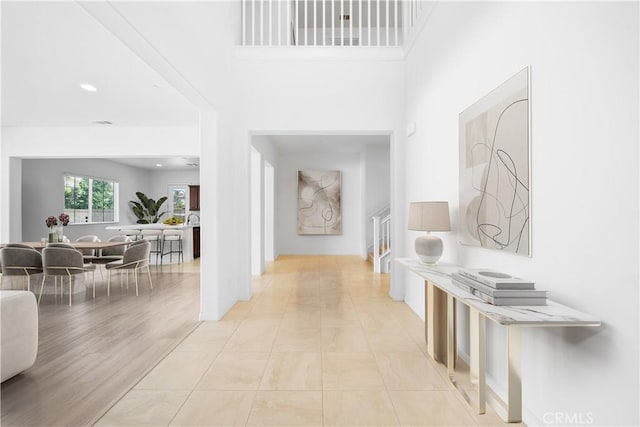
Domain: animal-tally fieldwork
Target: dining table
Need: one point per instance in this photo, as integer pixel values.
(76, 245)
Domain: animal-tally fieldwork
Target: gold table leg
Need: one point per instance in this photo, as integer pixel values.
(436, 322)
(477, 344)
(514, 381)
(451, 336)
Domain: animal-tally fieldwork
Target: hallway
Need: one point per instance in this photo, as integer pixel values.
(320, 343)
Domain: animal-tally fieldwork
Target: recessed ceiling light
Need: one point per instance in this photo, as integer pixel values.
(88, 87)
(159, 165)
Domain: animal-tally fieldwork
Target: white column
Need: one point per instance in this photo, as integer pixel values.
(257, 258)
(210, 245)
(269, 212)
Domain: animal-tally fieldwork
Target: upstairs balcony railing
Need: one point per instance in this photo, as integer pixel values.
(328, 22)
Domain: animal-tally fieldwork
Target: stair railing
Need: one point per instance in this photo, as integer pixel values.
(381, 240)
(329, 22)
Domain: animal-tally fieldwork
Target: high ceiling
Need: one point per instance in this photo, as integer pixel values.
(50, 48)
(166, 163)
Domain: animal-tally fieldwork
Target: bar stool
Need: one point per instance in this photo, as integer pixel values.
(133, 235)
(172, 236)
(154, 236)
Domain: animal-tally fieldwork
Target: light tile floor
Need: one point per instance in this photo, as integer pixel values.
(320, 343)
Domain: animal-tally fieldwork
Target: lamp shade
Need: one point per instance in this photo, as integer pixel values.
(429, 216)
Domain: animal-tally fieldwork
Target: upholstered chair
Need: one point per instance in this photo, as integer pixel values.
(18, 245)
(114, 253)
(64, 262)
(135, 257)
(61, 245)
(88, 254)
(20, 260)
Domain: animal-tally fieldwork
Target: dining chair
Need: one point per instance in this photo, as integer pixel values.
(136, 256)
(61, 245)
(114, 253)
(18, 245)
(88, 254)
(64, 262)
(20, 260)
(109, 254)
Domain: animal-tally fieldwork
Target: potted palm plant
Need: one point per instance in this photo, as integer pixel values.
(147, 210)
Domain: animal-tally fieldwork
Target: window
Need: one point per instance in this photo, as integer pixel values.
(178, 201)
(90, 200)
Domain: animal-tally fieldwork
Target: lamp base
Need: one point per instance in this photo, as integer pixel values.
(429, 248)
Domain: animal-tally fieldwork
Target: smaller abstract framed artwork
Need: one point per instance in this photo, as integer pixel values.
(495, 170)
(319, 202)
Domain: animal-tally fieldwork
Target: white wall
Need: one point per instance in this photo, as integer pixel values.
(43, 193)
(257, 213)
(269, 94)
(160, 180)
(251, 95)
(269, 188)
(270, 161)
(348, 243)
(81, 142)
(584, 84)
(15, 194)
(378, 182)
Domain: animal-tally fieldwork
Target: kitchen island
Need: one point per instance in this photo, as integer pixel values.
(187, 238)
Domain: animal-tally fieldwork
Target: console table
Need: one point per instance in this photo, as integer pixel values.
(440, 325)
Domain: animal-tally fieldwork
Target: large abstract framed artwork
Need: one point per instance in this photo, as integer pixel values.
(495, 192)
(319, 202)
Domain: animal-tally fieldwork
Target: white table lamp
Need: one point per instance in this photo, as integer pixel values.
(429, 216)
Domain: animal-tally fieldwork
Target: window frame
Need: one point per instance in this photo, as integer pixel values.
(91, 179)
(171, 208)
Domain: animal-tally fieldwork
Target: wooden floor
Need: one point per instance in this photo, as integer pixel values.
(92, 353)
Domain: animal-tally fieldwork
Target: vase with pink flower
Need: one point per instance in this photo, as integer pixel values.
(63, 221)
(56, 230)
(52, 223)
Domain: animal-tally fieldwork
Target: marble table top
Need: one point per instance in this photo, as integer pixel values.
(552, 314)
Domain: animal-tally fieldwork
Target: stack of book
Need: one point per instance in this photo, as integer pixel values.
(498, 288)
